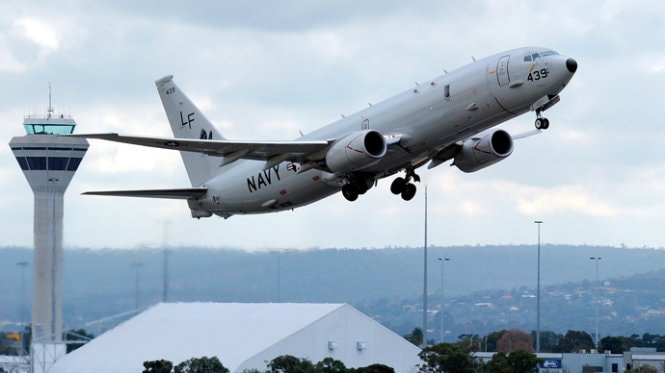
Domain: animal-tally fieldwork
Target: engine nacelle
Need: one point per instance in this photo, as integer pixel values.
(478, 153)
(356, 151)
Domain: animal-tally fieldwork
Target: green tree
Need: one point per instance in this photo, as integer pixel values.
(516, 361)
(375, 368)
(157, 366)
(290, 364)
(330, 365)
(445, 357)
(644, 369)
(548, 340)
(615, 344)
(491, 339)
(416, 336)
(575, 341)
(201, 365)
(654, 340)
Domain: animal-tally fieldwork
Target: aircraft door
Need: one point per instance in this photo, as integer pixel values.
(502, 75)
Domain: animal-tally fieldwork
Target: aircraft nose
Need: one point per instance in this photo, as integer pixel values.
(571, 65)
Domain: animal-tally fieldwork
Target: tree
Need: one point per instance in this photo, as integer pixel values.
(201, 365)
(416, 336)
(548, 340)
(157, 366)
(644, 369)
(516, 361)
(491, 339)
(515, 339)
(445, 357)
(330, 365)
(290, 364)
(615, 344)
(575, 341)
(375, 368)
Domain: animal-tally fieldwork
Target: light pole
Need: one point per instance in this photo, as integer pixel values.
(137, 266)
(538, 222)
(165, 280)
(166, 252)
(424, 344)
(596, 259)
(442, 260)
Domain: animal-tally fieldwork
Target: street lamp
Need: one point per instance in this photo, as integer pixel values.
(137, 266)
(424, 344)
(596, 259)
(442, 260)
(538, 222)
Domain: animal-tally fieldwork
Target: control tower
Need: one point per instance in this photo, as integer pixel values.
(48, 163)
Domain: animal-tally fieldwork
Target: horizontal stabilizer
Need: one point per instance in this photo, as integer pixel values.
(182, 193)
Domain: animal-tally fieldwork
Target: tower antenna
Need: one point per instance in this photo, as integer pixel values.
(50, 107)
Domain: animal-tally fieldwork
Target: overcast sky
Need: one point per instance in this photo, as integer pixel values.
(268, 69)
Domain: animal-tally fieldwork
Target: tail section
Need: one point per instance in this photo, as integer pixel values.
(188, 122)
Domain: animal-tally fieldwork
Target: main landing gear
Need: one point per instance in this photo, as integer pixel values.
(355, 186)
(541, 122)
(403, 185)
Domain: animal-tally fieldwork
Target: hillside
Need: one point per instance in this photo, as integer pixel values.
(486, 287)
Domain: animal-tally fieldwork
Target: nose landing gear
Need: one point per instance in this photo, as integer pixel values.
(541, 122)
(403, 185)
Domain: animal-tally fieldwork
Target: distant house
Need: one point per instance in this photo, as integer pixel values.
(243, 336)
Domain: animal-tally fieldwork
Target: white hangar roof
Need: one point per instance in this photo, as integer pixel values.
(242, 336)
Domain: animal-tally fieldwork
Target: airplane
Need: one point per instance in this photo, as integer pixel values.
(451, 117)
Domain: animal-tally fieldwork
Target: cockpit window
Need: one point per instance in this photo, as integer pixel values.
(536, 56)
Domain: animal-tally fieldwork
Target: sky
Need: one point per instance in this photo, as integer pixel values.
(267, 70)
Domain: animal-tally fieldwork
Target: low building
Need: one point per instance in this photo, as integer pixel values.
(243, 336)
(641, 357)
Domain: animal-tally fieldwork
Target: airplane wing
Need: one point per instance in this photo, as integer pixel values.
(262, 150)
(181, 193)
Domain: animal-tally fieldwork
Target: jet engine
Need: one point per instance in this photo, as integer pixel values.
(356, 151)
(479, 152)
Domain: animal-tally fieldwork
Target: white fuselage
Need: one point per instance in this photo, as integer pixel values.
(435, 114)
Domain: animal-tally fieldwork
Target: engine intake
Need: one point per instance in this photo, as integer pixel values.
(478, 153)
(356, 151)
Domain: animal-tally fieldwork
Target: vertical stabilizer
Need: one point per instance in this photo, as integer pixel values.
(188, 122)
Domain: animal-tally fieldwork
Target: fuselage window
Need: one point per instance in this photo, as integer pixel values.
(446, 92)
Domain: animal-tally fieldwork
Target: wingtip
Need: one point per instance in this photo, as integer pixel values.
(162, 81)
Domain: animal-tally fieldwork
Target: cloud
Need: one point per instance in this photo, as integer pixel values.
(563, 199)
(38, 32)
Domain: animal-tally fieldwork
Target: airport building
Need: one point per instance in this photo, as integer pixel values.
(243, 336)
(48, 162)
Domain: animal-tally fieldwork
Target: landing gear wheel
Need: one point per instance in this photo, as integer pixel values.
(361, 188)
(398, 185)
(408, 192)
(350, 193)
(542, 123)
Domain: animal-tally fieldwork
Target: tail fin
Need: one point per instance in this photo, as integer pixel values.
(188, 122)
